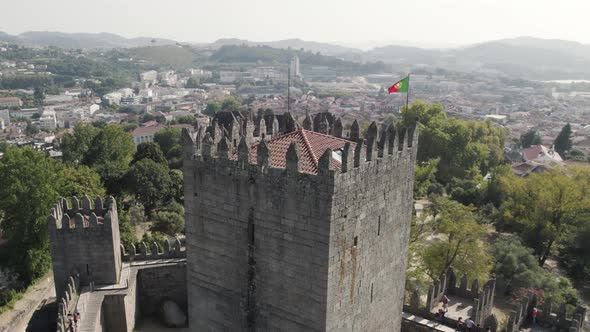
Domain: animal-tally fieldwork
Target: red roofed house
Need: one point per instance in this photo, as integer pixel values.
(542, 155)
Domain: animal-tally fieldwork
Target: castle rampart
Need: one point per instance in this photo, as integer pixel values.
(84, 240)
(303, 231)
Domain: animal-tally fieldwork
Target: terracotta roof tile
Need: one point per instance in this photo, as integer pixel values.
(310, 145)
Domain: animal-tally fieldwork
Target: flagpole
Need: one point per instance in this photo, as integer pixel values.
(408, 93)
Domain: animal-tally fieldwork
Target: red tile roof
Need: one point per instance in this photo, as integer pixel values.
(310, 145)
(532, 152)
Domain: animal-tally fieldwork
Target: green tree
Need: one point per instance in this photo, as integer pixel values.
(109, 154)
(231, 104)
(169, 140)
(563, 141)
(459, 145)
(149, 150)
(575, 252)
(150, 182)
(39, 96)
(29, 183)
(515, 266)
(546, 207)
(459, 245)
(424, 177)
(81, 181)
(193, 82)
(31, 129)
(177, 185)
(76, 145)
(212, 108)
(169, 223)
(529, 138)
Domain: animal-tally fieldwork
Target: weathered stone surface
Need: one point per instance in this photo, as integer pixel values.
(276, 250)
(173, 315)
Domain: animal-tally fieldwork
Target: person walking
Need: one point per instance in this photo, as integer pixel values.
(460, 325)
(535, 313)
(445, 301)
(469, 324)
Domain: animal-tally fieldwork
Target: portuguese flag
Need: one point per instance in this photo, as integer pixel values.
(401, 86)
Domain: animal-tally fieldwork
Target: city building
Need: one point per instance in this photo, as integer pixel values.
(294, 65)
(48, 120)
(7, 102)
(5, 115)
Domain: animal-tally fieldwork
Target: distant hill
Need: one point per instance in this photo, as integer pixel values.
(81, 40)
(296, 44)
(526, 57)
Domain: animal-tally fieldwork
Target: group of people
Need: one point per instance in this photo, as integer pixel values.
(462, 326)
(73, 320)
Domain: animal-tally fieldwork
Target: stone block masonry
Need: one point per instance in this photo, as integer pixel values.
(298, 247)
(85, 242)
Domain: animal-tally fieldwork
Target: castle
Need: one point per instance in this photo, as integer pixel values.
(289, 227)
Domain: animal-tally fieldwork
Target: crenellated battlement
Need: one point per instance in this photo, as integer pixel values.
(84, 240)
(82, 214)
(327, 154)
(153, 251)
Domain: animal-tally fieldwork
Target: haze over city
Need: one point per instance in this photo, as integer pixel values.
(265, 165)
(427, 22)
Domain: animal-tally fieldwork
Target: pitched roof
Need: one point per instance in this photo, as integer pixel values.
(539, 151)
(310, 145)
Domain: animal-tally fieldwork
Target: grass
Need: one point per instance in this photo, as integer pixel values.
(14, 297)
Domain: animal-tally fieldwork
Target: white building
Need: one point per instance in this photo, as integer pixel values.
(113, 98)
(230, 76)
(48, 120)
(5, 115)
(93, 109)
(149, 76)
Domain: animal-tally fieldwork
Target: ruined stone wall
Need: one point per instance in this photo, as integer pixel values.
(369, 239)
(84, 242)
(257, 246)
(158, 284)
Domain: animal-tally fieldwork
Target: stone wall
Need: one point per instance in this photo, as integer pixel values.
(84, 242)
(158, 284)
(257, 245)
(66, 303)
(144, 252)
(277, 249)
(562, 320)
(482, 299)
(369, 237)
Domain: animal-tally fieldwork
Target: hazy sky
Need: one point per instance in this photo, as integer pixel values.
(434, 21)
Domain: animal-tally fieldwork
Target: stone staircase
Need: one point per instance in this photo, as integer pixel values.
(90, 304)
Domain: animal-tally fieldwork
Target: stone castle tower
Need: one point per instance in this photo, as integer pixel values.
(84, 240)
(294, 229)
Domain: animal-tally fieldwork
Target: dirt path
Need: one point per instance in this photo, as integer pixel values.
(18, 318)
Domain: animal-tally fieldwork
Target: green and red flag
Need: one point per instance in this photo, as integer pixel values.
(401, 86)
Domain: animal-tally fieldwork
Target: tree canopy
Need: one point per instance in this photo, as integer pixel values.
(544, 208)
(29, 186)
(461, 146)
(563, 141)
(455, 241)
(529, 138)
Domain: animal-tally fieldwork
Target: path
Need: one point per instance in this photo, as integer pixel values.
(89, 305)
(17, 319)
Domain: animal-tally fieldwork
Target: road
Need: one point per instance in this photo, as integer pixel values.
(18, 318)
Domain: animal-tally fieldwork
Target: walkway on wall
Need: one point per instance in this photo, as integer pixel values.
(89, 306)
(432, 325)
